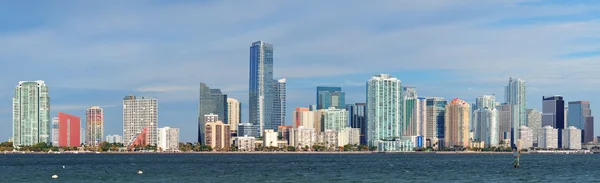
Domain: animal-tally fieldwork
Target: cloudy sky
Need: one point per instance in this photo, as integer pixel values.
(96, 52)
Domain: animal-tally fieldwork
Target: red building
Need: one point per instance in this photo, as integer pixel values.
(68, 130)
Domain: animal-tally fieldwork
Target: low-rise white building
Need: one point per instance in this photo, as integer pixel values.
(349, 136)
(245, 143)
(168, 139)
(548, 138)
(328, 138)
(302, 137)
(114, 139)
(571, 138)
(526, 136)
(270, 138)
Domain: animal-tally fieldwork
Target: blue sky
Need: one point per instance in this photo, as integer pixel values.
(96, 52)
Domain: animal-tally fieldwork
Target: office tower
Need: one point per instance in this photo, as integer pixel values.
(456, 129)
(140, 113)
(580, 116)
(302, 137)
(421, 114)
(516, 96)
(168, 139)
(482, 102)
(548, 137)
(114, 139)
(487, 129)
(534, 123)
(234, 113)
(335, 119)
(247, 129)
(69, 130)
(270, 138)
(410, 111)
(261, 86)
(218, 135)
(384, 112)
(436, 111)
(31, 114)
(303, 117)
(571, 138)
(55, 127)
(279, 103)
(328, 96)
(504, 121)
(553, 114)
(94, 123)
(526, 137)
(357, 119)
(211, 101)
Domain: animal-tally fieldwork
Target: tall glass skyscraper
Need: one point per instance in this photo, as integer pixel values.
(384, 112)
(481, 104)
(436, 112)
(553, 114)
(330, 97)
(357, 119)
(279, 102)
(410, 111)
(515, 95)
(261, 92)
(211, 101)
(580, 116)
(31, 114)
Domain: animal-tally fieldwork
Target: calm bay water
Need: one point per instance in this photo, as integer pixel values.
(297, 168)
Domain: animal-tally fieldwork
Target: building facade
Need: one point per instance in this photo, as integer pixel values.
(410, 110)
(210, 101)
(422, 117)
(94, 124)
(248, 129)
(580, 116)
(303, 117)
(31, 114)
(245, 143)
(168, 139)
(516, 96)
(571, 138)
(335, 119)
(349, 136)
(487, 129)
(234, 113)
(69, 130)
(140, 113)
(553, 114)
(534, 123)
(279, 102)
(55, 127)
(261, 93)
(218, 135)
(504, 121)
(384, 112)
(548, 138)
(357, 119)
(457, 123)
(270, 138)
(328, 96)
(114, 139)
(436, 111)
(302, 137)
(526, 137)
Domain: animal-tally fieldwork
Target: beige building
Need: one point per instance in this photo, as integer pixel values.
(349, 136)
(218, 135)
(270, 138)
(245, 143)
(234, 113)
(303, 117)
(168, 139)
(456, 131)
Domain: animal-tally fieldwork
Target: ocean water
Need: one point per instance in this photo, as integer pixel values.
(248, 168)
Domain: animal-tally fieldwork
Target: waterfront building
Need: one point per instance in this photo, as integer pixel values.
(482, 102)
(244, 143)
(140, 113)
(487, 128)
(114, 139)
(168, 139)
(330, 97)
(335, 119)
(349, 136)
(270, 138)
(548, 138)
(384, 112)
(357, 119)
(571, 138)
(436, 111)
(303, 117)
(82, 136)
(31, 114)
(534, 123)
(396, 145)
(456, 129)
(516, 96)
(55, 127)
(580, 116)
(279, 102)
(234, 113)
(302, 137)
(210, 101)
(410, 111)
(504, 122)
(218, 135)
(553, 114)
(69, 127)
(247, 129)
(421, 114)
(94, 124)
(261, 93)
(328, 138)
(526, 137)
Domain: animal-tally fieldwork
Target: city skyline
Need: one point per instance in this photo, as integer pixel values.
(89, 66)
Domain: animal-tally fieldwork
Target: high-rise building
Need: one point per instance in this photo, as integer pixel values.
(279, 102)
(357, 119)
(548, 138)
(580, 116)
(571, 138)
(82, 136)
(140, 113)
(409, 111)
(168, 139)
(553, 114)
(328, 96)
(421, 114)
(94, 123)
(247, 129)
(487, 128)
(526, 137)
(482, 102)
(55, 127)
(534, 123)
(303, 117)
(335, 119)
(218, 135)
(516, 96)
(319, 122)
(261, 86)
(284, 132)
(211, 101)
(384, 112)
(234, 113)
(504, 121)
(436, 111)
(31, 114)
(69, 130)
(302, 137)
(114, 139)
(456, 129)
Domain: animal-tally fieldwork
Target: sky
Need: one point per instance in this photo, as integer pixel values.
(93, 53)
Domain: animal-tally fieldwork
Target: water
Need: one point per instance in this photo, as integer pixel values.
(248, 168)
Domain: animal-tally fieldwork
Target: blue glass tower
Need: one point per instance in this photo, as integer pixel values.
(261, 90)
(330, 97)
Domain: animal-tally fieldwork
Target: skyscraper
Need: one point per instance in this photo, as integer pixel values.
(456, 129)
(580, 116)
(422, 117)
(69, 130)
(140, 113)
(487, 126)
(328, 96)
(234, 113)
(211, 101)
(516, 96)
(436, 112)
(357, 119)
(303, 117)
(261, 86)
(168, 139)
(553, 114)
(534, 122)
(31, 114)
(279, 103)
(482, 102)
(504, 121)
(409, 111)
(94, 123)
(384, 112)
(335, 119)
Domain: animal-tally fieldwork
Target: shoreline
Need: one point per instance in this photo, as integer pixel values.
(313, 152)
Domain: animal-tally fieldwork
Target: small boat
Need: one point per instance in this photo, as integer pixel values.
(55, 176)
(140, 172)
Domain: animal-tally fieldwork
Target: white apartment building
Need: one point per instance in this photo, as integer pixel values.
(526, 135)
(114, 139)
(548, 137)
(349, 136)
(270, 138)
(301, 137)
(245, 143)
(140, 113)
(168, 139)
(571, 138)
